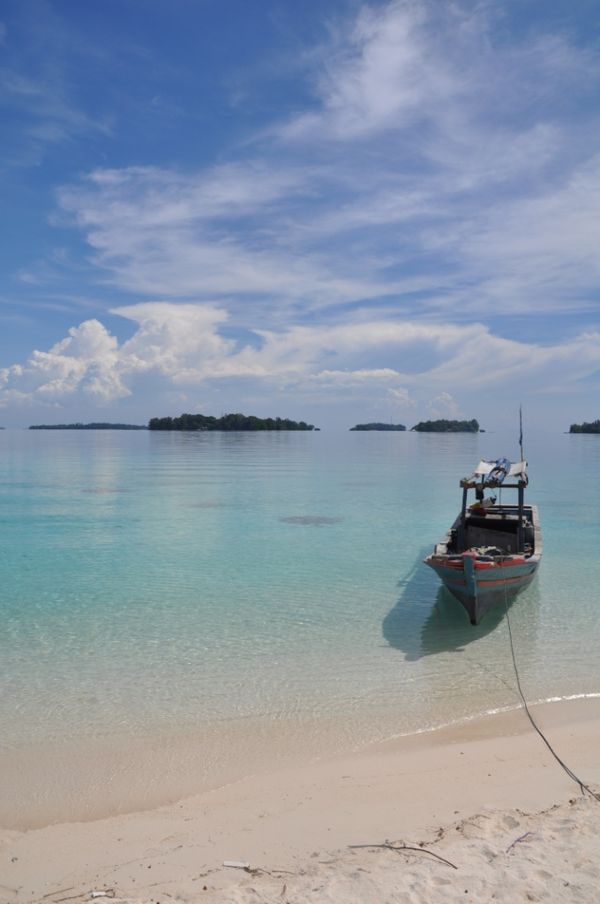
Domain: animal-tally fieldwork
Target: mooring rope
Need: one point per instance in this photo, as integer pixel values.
(582, 785)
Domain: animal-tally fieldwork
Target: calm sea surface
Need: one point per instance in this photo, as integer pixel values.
(262, 595)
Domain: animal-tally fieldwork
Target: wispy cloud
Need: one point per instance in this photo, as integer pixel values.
(441, 174)
(39, 93)
(381, 73)
(224, 231)
(444, 406)
(538, 251)
(436, 170)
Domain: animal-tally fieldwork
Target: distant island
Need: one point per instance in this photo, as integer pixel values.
(227, 422)
(443, 426)
(377, 426)
(593, 427)
(99, 426)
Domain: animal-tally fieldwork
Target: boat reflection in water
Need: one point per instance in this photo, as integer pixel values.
(426, 620)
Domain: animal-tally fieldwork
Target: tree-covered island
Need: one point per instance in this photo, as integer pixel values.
(377, 426)
(93, 426)
(593, 427)
(227, 422)
(444, 426)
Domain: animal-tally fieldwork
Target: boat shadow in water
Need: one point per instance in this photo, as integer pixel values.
(427, 619)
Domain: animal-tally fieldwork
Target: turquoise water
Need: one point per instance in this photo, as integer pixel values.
(269, 586)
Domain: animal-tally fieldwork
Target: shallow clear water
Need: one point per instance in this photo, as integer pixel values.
(161, 584)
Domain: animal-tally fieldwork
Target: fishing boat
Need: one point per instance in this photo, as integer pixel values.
(493, 550)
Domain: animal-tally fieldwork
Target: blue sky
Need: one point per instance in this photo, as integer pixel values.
(336, 212)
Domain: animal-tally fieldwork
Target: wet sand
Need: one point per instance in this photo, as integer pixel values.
(486, 796)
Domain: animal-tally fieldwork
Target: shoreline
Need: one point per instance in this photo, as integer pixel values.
(61, 782)
(406, 788)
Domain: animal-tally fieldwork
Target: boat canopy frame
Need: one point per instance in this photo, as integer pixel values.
(491, 474)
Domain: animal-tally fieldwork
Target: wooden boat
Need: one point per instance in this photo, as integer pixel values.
(492, 551)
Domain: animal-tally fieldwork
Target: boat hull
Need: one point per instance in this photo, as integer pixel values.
(480, 588)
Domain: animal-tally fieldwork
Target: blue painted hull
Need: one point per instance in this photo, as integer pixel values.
(480, 590)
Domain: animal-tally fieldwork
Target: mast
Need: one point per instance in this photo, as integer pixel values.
(521, 490)
(521, 431)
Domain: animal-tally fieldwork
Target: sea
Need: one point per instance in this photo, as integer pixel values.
(180, 610)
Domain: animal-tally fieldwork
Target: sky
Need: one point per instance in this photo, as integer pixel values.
(336, 212)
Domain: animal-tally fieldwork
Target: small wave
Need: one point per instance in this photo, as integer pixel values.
(310, 519)
(103, 491)
(496, 711)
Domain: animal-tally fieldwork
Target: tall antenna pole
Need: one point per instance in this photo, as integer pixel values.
(521, 431)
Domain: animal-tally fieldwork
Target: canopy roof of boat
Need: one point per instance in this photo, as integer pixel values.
(484, 467)
(492, 473)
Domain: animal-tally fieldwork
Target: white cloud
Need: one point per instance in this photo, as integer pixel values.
(443, 406)
(354, 378)
(84, 362)
(401, 397)
(182, 346)
(181, 342)
(221, 232)
(148, 196)
(437, 168)
(540, 246)
(379, 72)
(439, 174)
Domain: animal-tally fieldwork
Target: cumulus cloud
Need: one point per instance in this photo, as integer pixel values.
(183, 346)
(84, 361)
(180, 342)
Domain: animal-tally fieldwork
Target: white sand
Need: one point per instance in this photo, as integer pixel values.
(487, 796)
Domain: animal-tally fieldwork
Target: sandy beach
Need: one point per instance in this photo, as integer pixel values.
(490, 813)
